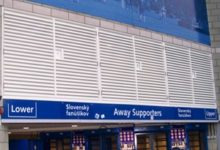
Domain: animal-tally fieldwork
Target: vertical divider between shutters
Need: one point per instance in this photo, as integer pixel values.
(135, 69)
(98, 65)
(166, 74)
(2, 53)
(192, 82)
(213, 80)
(54, 52)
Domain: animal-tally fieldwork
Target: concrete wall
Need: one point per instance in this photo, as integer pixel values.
(212, 142)
(3, 138)
(213, 7)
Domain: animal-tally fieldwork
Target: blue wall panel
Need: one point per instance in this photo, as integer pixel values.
(25, 144)
(181, 18)
(18, 144)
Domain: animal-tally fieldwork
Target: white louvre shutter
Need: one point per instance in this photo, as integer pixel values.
(51, 58)
(28, 55)
(76, 73)
(151, 78)
(203, 82)
(179, 74)
(117, 67)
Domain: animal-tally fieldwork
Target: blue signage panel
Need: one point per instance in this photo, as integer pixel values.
(23, 109)
(182, 18)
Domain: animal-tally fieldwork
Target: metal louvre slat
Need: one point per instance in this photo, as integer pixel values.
(35, 78)
(77, 86)
(121, 67)
(77, 39)
(115, 84)
(78, 92)
(119, 50)
(110, 46)
(67, 80)
(84, 70)
(27, 84)
(179, 75)
(117, 78)
(28, 25)
(44, 72)
(114, 50)
(153, 97)
(86, 54)
(77, 66)
(156, 92)
(75, 48)
(81, 64)
(172, 72)
(20, 73)
(177, 100)
(144, 85)
(107, 93)
(174, 64)
(207, 99)
(74, 42)
(22, 89)
(11, 56)
(26, 45)
(118, 71)
(79, 76)
(27, 40)
(26, 66)
(151, 61)
(114, 89)
(27, 50)
(203, 70)
(117, 66)
(115, 59)
(203, 83)
(28, 55)
(151, 79)
(32, 34)
(26, 92)
(97, 64)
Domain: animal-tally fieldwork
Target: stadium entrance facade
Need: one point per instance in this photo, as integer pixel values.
(102, 85)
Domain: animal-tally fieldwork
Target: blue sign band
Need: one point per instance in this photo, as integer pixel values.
(34, 110)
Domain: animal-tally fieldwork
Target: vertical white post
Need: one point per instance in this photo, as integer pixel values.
(192, 76)
(2, 52)
(54, 51)
(135, 68)
(98, 64)
(166, 73)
